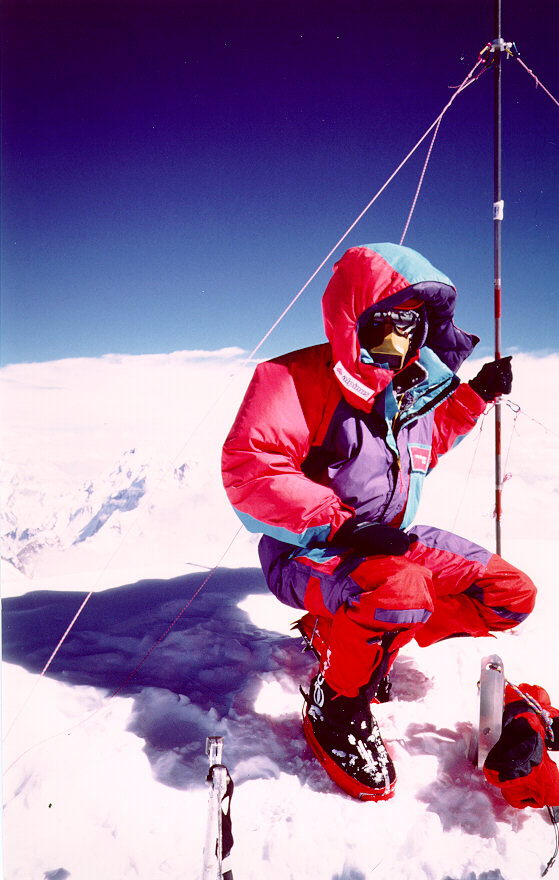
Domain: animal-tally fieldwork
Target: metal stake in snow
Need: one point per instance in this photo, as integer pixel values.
(219, 839)
(491, 704)
(491, 689)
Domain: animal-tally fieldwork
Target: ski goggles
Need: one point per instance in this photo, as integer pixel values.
(404, 321)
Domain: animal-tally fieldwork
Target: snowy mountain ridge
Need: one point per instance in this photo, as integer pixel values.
(59, 515)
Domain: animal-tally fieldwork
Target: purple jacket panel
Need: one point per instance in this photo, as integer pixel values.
(288, 576)
(437, 539)
(355, 460)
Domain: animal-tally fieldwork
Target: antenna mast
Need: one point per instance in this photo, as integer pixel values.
(497, 47)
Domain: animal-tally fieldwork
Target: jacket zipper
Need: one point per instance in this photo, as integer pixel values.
(396, 468)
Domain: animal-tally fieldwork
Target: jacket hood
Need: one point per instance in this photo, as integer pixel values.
(390, 274)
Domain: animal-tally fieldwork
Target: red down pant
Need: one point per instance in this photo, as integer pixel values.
(444, 586)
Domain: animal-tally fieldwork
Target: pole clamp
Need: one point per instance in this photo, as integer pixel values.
(491, 49)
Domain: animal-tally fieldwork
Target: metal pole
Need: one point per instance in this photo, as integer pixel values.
(219, 839)
(498, 45)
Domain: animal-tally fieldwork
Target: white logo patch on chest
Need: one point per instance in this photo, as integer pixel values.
(419, 457)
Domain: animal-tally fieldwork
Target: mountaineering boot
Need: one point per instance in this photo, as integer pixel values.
(346, 739)
(315, 632)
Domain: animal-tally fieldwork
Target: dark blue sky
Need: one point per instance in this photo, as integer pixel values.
(174, 171)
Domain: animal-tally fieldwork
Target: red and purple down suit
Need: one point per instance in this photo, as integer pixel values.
(319, 438)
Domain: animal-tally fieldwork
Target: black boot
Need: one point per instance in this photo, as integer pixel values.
(346, 739)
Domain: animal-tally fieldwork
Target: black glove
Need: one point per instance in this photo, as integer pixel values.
(373, 539)
(493, 379)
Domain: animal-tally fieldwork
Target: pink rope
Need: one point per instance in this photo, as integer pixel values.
(538, 83)
(507, 475)
(469, 474)
(70, 625)
(180, 614)
(519, 412)
(130, 676)
(460, 88)
(47, 664)
(468, 80)
(420, 181)
(516, 408)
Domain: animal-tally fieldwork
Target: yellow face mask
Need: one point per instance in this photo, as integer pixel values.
(392, 350)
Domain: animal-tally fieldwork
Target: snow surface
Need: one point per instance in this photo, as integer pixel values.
(110, 486)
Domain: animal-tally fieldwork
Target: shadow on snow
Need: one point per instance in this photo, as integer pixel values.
(203, 678)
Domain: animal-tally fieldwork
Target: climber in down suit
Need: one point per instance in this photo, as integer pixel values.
(327, 458)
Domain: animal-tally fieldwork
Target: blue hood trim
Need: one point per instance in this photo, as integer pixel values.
(409, 263)
(439, 384)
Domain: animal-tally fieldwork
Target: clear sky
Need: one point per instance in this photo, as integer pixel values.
(173, 172)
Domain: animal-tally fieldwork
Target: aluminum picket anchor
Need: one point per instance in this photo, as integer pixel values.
(219, 839)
